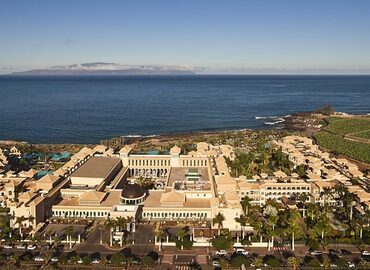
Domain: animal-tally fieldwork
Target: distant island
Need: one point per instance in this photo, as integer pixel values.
(100, 68)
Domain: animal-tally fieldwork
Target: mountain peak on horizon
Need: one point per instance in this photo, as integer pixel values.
(103, 68)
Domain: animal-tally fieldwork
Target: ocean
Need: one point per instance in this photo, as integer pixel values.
(72, 109)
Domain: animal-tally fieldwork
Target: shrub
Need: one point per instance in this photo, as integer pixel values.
(147, 260)
(86, 260)
(311, 262)
(117, 258)
(273, 262)
(185, 243)
(239, 260)
(154, 255)
(221, 242)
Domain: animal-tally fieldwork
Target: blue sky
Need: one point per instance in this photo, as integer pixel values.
(220, 36)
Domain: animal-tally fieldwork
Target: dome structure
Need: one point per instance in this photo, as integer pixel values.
(132, 194)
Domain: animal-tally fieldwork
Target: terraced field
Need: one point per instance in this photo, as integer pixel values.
(350, 137)
(343, 126)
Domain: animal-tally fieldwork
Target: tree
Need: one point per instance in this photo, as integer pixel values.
(20, 221)
(69, 232)
(218, 219)
(121, 223)
(159, 233)
(246, 203)
(242, 220)
(293, 262)
(294, 228)
(109, 224)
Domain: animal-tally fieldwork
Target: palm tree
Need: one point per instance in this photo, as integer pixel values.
(294, 228)
(257, 262)
(243, 222)
(159, 233)
(69, 231)
(294, 262)
(181, 235)
(121, 223)
(218, 219)
(109, 224)
(322, 225)
(326, 194)
(20, 221)
(246, 203)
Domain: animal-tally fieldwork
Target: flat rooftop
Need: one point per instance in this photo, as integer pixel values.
(112, 198)
(97, 167)
(186, 174)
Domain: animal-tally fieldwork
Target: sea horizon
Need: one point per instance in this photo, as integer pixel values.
(87, 109)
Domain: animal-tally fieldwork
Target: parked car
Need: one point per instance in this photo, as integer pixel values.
(221, 252)
(21, 246)
(316, 252)
(8, 246)
(31, 247)
(95, 261)
(54, 259)
(39, 259)
(351, 265)
(241, 251)
(216, 262)
(80, 261)
(136, 261)
(365, 253)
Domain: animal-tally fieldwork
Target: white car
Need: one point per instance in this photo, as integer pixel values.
(31, 247)
(316, 252)
(351, 265)
(241, 251)
(80, 261)
(365, 253)
(54, 259)
(21, 246)
(221, 252)
(95, 261)
(39, 259)
(8, 246)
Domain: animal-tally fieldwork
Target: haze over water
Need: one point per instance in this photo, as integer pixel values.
(88, 109)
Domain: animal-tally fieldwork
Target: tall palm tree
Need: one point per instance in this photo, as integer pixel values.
(243, 222)
(20, 221)
(109, 224)
(121, 223)
(159, 233)
(181, 235)
(218, 219)
(69, 232)
(31, 219)
(326, 194)
(246, 203)
(294, 228)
